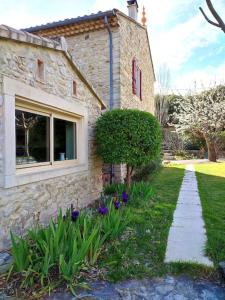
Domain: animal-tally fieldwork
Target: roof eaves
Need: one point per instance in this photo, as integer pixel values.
(67, 22)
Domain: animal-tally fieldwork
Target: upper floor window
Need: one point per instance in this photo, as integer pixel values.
(136, 79)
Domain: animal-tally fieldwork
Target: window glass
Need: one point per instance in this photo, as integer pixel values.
(64, 140)
(32, 138)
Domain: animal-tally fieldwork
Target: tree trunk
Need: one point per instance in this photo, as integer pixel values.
(211, 149)
(27, 131)
(129, 175)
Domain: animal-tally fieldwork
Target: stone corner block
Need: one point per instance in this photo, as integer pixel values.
(4, 31)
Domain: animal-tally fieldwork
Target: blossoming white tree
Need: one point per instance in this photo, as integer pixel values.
(203, 115)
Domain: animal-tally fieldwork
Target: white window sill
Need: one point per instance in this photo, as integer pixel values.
(40, 173)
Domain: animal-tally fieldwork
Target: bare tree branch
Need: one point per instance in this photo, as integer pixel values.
(220, 23)
(207, 19)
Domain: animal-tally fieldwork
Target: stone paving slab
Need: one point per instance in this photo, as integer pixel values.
(168, 288)
(5, 262)
(187, 236)
(181, 212)
(189, 223)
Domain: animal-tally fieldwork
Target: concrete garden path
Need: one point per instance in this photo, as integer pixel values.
(187, 236)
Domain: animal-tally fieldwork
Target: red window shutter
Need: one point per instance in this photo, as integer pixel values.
(140, 84)
(134, 76)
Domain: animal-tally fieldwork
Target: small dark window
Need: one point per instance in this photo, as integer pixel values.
(87, 37)
(40, 70)
(74, 88)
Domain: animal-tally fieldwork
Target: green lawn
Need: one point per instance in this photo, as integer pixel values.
(211, 181)
(142, 249)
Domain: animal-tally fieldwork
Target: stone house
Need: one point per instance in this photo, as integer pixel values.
(55, 80)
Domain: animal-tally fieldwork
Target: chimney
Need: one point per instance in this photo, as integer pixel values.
(133, 9)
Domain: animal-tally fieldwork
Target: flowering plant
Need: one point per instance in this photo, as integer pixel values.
(103, 211)
(125, 197)
(74, 215)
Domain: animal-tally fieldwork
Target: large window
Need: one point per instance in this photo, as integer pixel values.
(43, 138)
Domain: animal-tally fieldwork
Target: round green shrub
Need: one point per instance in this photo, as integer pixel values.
(127, 136)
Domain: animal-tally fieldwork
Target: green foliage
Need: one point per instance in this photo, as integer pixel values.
(115, 222)
(64, 247)
(71, 265)
(220, 143)
(144, 173)
(138, 190)
(20, 252)
(126, 136)
(193, 142)
(114, 188)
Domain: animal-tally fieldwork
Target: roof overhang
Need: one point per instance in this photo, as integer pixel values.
(75, 26)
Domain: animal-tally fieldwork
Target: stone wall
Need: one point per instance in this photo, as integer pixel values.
(1, 133)
(91, 53)
(20, 206)
(134, 44)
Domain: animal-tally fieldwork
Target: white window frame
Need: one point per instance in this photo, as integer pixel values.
(52, 116)
(18, 94)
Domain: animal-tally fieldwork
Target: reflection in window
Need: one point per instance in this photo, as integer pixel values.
(64, 140)
(32, 138)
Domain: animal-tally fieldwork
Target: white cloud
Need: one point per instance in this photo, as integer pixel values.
(201, 79)
(177, 45)
(103, 5)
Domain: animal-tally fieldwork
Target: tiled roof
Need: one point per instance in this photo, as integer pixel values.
(67, 22)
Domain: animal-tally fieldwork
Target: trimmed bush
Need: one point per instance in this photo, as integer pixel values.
(126, 136)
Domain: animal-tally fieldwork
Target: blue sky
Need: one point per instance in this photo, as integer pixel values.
(193, 50)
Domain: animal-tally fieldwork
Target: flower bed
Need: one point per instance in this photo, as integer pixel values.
(56, 254)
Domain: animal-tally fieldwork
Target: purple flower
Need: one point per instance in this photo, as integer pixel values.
(125, 197)
(75, 215)
(116, 204)
(103, 211)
